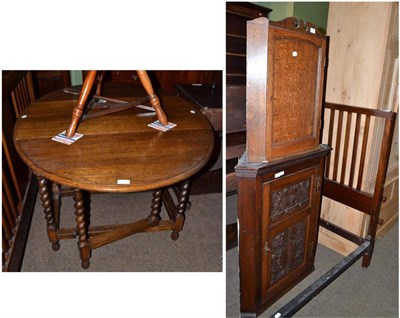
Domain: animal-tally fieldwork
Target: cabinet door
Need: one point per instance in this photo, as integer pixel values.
(295, 85)
(289, 230)
(284, 89)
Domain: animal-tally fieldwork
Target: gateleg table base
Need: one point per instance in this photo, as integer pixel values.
(92, 237)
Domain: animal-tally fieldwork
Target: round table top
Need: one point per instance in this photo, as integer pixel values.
(116, 148)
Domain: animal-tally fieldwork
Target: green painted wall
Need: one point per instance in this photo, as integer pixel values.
(280, 10)
(76, 77)
(314, 12)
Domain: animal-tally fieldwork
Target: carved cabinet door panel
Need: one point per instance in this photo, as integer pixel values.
(289, 222)
(278, 213)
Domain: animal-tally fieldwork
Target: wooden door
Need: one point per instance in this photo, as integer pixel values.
(278, 210)
(295, 85)
(285, 76)
(289, 229)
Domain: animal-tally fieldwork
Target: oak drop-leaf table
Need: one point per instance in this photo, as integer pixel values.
(117, 153)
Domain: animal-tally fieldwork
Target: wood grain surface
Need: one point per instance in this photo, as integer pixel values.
(113, 147)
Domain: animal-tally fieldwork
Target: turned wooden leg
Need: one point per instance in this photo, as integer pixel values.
(177, 193)
(84, 249)
(154, 216)
(78, 110)
(55, 188)
(100, 83)
(154, 101)
(48, 212)
(181, 207)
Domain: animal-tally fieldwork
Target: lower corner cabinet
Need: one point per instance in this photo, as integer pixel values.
(278, 211)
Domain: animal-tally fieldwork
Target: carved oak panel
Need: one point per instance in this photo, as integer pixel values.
(289, 199)
(287, 250)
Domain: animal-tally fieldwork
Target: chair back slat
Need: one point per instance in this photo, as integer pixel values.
(8, 210)
(10, 198)
(7, 228)
(20, 91)
(15, 104)
(25, 91)
(6, 246)
(29, 85)
(11, 169)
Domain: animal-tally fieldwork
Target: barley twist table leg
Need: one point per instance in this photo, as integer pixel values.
(48, 212)
(55, 189)
(84, 249)
(156, 207)
(181, 207)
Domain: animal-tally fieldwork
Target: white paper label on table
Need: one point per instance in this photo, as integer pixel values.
(123, 181)
(157, 125)
(66, 140)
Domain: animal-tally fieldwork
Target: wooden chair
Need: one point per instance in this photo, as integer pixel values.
(351, 149)
(78, 112)
(22, 93)
(18, 189)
